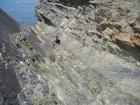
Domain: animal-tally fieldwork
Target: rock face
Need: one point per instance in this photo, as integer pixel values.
(81, 52)
(7, 26)
(90, 17)
(9, 85)
(91, 50)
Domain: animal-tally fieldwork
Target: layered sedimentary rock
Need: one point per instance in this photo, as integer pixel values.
(81, 52)
(89, 42)
(117, 21)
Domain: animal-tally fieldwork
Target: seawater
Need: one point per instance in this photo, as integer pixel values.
(22, 11)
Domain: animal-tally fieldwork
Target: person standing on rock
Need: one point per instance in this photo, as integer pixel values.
(56, 41)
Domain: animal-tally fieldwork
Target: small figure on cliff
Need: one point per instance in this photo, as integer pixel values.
(56, 41)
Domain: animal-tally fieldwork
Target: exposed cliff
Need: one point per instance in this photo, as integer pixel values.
(112, 20)
(81, 52)
(93, 45)
(18, 75)
(9, 85)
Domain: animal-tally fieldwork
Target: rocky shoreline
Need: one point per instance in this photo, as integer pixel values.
(81, 52)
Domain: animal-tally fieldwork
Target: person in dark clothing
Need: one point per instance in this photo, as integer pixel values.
(57, 40)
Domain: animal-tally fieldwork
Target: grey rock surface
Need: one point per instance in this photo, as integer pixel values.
(81, 52)
(96, 59)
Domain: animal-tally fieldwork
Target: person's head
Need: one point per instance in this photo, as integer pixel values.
(56, 37)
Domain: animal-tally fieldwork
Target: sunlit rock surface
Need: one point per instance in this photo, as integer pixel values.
(97, 60)
(80, 53)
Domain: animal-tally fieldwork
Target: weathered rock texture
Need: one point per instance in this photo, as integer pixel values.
(9, 85)
(81, 52)
(91, 45)
(113, 20)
